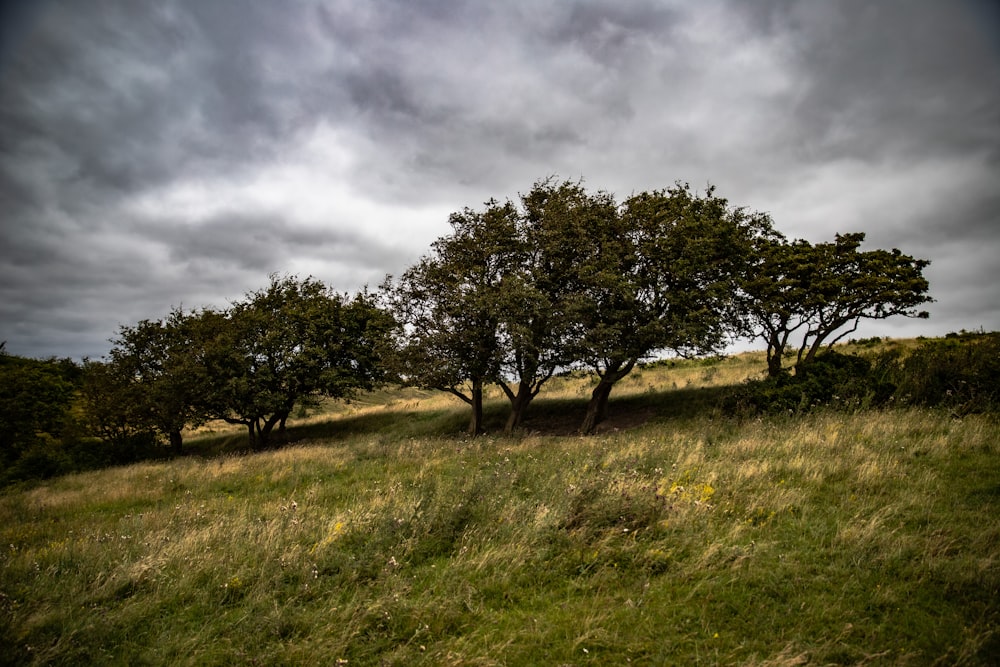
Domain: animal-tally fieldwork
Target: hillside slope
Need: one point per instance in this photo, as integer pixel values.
(672, 537)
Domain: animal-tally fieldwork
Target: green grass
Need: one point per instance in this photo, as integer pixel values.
(674, 536)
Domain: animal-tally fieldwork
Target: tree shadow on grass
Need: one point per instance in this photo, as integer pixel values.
(563, 417)
(546, 416)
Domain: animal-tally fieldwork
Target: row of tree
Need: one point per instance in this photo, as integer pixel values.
(568, 278)
(563, 278)
(251, 364)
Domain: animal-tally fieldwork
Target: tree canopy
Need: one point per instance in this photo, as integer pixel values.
(665, 279)
(291, 342)
(570, 278)
(447, 307)
(820, 293)
(152, 380)
(35, 396)
(284, 345)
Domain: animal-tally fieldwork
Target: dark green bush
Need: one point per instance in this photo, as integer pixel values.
(960, 372)
(840, 380)
(43, 459)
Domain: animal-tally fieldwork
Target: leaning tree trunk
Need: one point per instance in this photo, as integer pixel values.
(597, 408)
(264, 439)
(518, 407)
(282, 437)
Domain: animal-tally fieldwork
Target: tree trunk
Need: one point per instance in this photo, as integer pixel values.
(774, 361)
(806, 355)
(282, 437)
(775, 353)
(176, 442)
(597, 408)
(264, 432)
(476, 421)
(518, 407)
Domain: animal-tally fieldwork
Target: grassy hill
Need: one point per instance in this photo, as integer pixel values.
(673, 536)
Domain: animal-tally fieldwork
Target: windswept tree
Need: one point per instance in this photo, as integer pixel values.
(294, 341)
(112, 403)
(569, 278)
(448, 307)
(775, 294)
(494, 303)
(817, 294)
(660, 276)
(540, 294)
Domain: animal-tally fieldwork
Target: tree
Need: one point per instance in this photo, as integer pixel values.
(776, 292)
(493, 303)
(448, 307)
(660, 276)
(537, 323)
(113, 406)
(818, 290)
(293, 341)
(157, 360)
(512, 295)
(35, 399)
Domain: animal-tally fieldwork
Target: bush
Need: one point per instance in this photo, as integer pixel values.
(960, 372)
(840, 380)
(41, 460)
(47, 456)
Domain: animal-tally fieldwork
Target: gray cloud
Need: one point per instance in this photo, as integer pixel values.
(155, 154)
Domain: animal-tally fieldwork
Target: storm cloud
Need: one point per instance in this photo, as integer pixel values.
(161, 154)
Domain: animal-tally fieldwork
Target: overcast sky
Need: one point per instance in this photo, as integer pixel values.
(174, 153)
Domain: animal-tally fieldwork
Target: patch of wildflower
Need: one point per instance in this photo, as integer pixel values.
(685, 489)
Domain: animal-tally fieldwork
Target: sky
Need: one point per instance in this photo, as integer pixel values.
(157, 154)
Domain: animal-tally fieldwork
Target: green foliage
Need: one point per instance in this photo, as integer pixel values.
(157, 367)
(813, 292)
(842, 381)
(115, 405)
(447, 306)
(35, 411)
(568, 279)
(287, 344)
(666, 284)
(293, 341)
(50, 411)
(960, 373)
(562, 280)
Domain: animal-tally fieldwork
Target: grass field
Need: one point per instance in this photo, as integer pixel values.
(673, 536)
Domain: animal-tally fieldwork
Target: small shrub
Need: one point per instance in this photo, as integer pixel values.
(874, 341)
